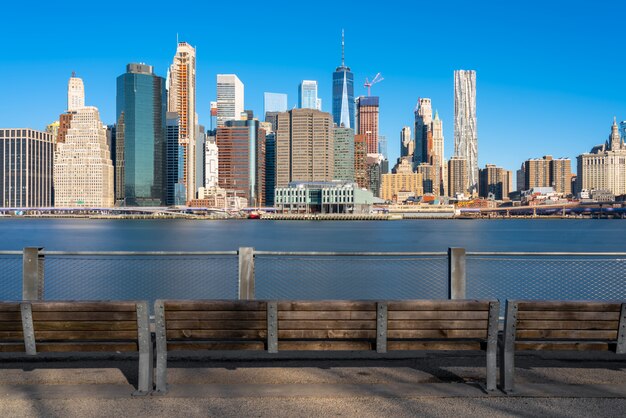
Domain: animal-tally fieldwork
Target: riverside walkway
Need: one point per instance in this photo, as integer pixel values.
(549, 384)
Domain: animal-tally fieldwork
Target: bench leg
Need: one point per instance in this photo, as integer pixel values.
(145, 381)
(161, 374)
(492, 346)
(161, 348)
(507, 347)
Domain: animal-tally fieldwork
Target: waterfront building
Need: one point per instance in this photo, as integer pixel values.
(343, 153)
(176, 189)
(182, 100)
(216, 197)
(53, 129)
(26, 161)
(323, 197)
(241, 162)
(367, 121)
(304, 147)
(604, 168)
(230, 98)
(211, 160)
(83, 170)
(458, 180)
(407, 145)
(274, 102)
(423, 131)
(360, 161)
(465, 132)
(548, 172)
(307, 95)
(494, 182)
(140, 136)
(270, 167)
(431, 178)
(75, 93)
(343, 92)
(402, 181)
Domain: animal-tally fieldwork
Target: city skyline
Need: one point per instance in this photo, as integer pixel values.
(511, 88)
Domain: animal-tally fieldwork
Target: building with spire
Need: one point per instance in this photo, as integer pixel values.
(343, 92)
(182, 100)
(75, 93)
(465, 134)
(423, 131)
(604, 168)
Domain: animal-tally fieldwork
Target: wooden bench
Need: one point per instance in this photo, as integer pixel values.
(559, 325)
(325, 325)
(33, 327)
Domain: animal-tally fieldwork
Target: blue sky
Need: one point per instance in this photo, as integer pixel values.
(550, 73)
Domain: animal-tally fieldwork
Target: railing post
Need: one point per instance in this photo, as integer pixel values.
(32, 273)
(246, 273)
(456, 273)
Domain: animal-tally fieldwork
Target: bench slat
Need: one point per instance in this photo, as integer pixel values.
(567, 325)
(569, 315)
(12, 347)
(433, 345)
(568, 334)
(571, 346)
(102, 347)
(79, 306)
(222, 345)
(326, 324)
(11, 326)
(216, 325)
(568, 306)
(439, 315)
(325, 345)
(84, 335)
(202, 315)
(11, 335)
(9, 307)
(85, 326)
(85, 316)
(327, 306)
(216, 334)
(438, 305)
(438, 333)
(10, 316)
(322, 334)
(214, 305)
(308, 315)
(434, 324)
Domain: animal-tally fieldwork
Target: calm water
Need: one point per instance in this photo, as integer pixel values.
(415, 235)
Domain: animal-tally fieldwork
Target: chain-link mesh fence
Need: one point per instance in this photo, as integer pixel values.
(546, 277)
(140, 277)
(351, 277)
(10, 277)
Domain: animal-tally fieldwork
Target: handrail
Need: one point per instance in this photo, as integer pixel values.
(349, 254)
(137, 253)
(544, 254)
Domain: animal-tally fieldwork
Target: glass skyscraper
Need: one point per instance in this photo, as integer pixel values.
(343, 93)
(307, 95)
(141, 112)
(274, 102)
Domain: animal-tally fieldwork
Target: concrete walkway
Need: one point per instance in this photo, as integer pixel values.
(327, 384)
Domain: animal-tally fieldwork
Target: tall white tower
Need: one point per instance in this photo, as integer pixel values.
(75, 93)
(230, 102)
(182, 100)
(465, 134)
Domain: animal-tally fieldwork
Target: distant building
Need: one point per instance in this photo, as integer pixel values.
(401, 181)
(360, 161)
(431, 178)
(176, 189)
(26, 160)
(407, 145)
(75, 93)
(230, 98)
(494, 182)
(521, 178)
(323, 197)
(367, 121)
(53, 129)
(211, 158)
(423, 131)
(548, 172)
(465, 133)
(307, 95)
(604, 168)
(270, 168)
(458, 180)
(344, 154)
(141, 113)
(343, 93)
(375, 167)
(274, 102)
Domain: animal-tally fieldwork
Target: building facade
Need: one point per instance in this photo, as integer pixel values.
(494, 182)
(548, 172)
(360, 161)
(402, 181)
(407, 145)
(75, 93)
(423, 131)
(211, 159)
(26, 163)
(458, 180)
(182, 100)
(323, 197)
(343, 154)
(176, 190)
(274, 102)
(367, 121)
(230, 98)
(465, 131)
(307, 95)
(343, 93)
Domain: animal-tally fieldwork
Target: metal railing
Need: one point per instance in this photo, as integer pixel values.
(35, 273)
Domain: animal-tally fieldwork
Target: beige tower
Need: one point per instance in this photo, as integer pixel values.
(182, 100)
(75, 93)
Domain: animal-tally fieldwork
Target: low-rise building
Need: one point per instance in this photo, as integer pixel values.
(323, 197)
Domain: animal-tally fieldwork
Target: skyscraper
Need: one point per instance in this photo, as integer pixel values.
(83, 170)
(211, 159)
(457, 176)
(494, 182)
(176, 191)
(367, 121)
(26, 158)
(75, 93)
(465, 133)
(141, 112)
(407, 145)
(307, 95)
(274, 102)
(548, 172)
(343, 92)
(344, 154)
(423, 131)
(230, 99)
(182, 100)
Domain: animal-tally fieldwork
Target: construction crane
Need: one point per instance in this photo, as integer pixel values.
(377, 79)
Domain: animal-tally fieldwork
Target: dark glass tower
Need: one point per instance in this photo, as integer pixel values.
(343, 93)
(141, 112)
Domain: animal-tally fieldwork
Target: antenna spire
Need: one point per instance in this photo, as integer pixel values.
(343, 48)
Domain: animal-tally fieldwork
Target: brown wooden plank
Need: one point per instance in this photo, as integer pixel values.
(324, 324)
(396, 315)
(15, 347)
(85, 325)
(327, 334)
(9, 307)
(216, 325)
(325, 345)
(438, 305)
(216, 334)
(10, 326)
(229, 345)
(64, 347)
(574, 325)
(308, 315)
(11, 335)
(337, 305)
(572, 346)
(567, 334)
(214, 305)
(10, 316)
(438, 333)
(85, 316)
(531, 305)
(569, 315)
(434, 324)
(212, 315)
(78, 306)
(433, 345)
(84, 335)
